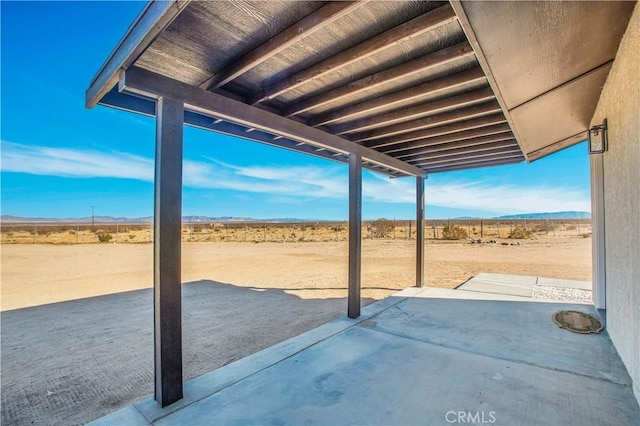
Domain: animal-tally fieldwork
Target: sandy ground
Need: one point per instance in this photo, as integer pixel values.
(77, 329)
(37, 274)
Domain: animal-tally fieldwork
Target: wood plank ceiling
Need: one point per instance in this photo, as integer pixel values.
(398, 77)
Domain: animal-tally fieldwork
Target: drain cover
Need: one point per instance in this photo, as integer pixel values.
(577, 322)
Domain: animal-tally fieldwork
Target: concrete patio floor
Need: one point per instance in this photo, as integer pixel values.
(517, 285)
(422, 356)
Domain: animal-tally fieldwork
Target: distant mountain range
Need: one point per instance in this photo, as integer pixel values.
(553, 215)
(208, 219)
(550, 215)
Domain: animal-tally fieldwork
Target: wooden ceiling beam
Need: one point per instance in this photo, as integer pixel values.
(417, 111)
(482, 140)
(224, 127)
(301, 29)
(477, 165)
(403, 140)
(449, 151)
(464, 156)
(373, 81)
(141, 82)
(512, 152)
(390, 38)
(415, 93)
(405, 148)
(428, 122)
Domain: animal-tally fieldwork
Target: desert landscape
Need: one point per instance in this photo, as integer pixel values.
(68, 262)
(77, 320)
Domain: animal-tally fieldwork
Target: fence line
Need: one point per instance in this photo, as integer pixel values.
(264, 231)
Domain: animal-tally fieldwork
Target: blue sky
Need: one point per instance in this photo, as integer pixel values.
(58, 158)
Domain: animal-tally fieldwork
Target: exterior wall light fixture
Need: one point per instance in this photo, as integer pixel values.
(598, 138)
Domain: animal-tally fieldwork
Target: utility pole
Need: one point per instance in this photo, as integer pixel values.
(92, 218)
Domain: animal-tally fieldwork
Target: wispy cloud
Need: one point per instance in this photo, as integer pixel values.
(291, 181)
(507, 198)
(212, 174)
(65, 162)
(381, 188)
(314, 181)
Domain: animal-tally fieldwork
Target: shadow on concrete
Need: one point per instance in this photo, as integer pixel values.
(72, 362)
(422, 356)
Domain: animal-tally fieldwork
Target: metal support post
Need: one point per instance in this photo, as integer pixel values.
(355, 233)
(167, 277)
(419, 231)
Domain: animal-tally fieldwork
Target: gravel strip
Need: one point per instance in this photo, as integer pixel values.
(562, 294)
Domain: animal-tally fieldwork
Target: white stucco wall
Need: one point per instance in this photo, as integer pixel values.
(620, 105)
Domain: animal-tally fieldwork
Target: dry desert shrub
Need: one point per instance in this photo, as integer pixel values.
(104, 237)
(520, 233)
(453, 232)
(381, 228)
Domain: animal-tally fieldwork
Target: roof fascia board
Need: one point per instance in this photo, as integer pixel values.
(146, 83)
(557, 146)
(482, 60)
(152, 20)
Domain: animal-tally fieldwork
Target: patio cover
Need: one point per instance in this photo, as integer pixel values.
(404, 88)
(415, 87)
